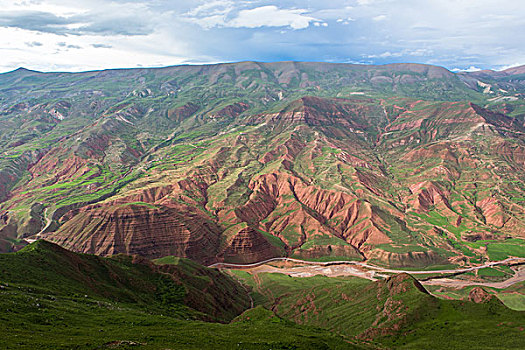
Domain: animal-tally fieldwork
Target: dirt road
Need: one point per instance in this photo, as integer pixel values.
(371, 272)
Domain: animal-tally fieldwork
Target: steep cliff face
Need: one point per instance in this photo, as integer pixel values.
(297, 213)
(247, 245)
(140, 229)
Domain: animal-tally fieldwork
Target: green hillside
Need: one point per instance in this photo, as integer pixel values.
(53, 298)
(396, 313)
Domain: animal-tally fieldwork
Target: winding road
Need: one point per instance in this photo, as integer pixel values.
(351, 268)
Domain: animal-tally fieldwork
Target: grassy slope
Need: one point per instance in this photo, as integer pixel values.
(83, 324)
(52, 298)
(396, 314)
(513, 297)
(45, 268)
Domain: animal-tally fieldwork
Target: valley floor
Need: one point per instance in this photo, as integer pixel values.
(304, 268)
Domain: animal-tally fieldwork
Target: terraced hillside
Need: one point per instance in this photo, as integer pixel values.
(402, 165)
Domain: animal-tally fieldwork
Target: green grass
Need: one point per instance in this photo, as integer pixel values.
(42, 267)
(323, 241)
(52, 298)
(490, 272)
(43, 323)
(328, 258)
(513, 301)
(425, 322)
(460, 325)
(167, 260)
(274, 240)
(149, 205)
(501, 251)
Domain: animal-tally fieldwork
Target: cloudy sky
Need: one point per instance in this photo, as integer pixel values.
(76, 35)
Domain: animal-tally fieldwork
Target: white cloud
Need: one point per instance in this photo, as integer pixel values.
(101, 46)
(379, 18)
(469, 69)
(209, 22)
(112, 19)
(512, 66)
(332, 13)
(345, 21)
(385, 54)
(403, 53)
(264, 16)
(210, 8)
(33, 44)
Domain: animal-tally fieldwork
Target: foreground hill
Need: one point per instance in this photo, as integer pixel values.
(394, 313)
(54, 298)
(403, 165)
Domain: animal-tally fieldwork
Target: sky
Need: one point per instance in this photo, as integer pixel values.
(79, 35)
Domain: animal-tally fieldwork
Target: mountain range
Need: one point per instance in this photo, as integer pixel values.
(399, 165)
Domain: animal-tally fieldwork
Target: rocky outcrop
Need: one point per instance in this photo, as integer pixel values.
(248, 245)
(395, 297)
(402, 283)
(427, 195)
(479, 295)
(492, 211)
(296, 212)
(478, 236)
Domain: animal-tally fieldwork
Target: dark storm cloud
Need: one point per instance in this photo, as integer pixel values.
(86, 24)
(33, 20)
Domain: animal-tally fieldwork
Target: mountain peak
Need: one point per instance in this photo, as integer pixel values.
(402, 282)
(22, 70)
(42, 245)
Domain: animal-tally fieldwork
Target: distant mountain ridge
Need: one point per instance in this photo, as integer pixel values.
(401, 164)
